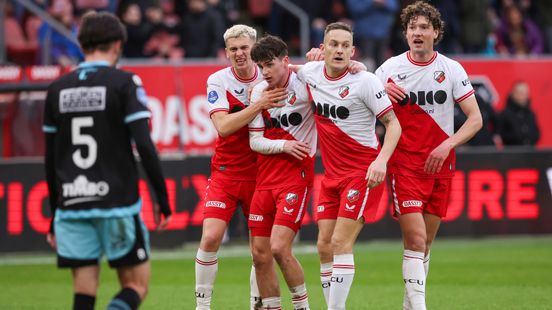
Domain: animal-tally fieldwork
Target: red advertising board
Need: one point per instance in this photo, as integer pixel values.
(181, 121)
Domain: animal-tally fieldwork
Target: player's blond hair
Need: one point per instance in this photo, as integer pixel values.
(240, 31)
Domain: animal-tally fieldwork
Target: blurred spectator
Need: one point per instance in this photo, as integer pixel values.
(544, 18)
(475, 25)
(372, 20)
(20, 49)
(229, 9)
(164, 40)
(488, 135)
(83, 6)
(450, 43)
(201, 30)
(518, 124)
(63, 51)
(138, 30)
(518, 35)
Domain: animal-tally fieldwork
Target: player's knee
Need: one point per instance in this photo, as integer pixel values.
(324, 247)
(210, 242)
(415, 243)
(261, 256)
(340, 245)
(281, 252)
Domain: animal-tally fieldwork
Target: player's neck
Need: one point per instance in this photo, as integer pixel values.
(423, 56)
(334, 72)
(245, 73)
(99, 56)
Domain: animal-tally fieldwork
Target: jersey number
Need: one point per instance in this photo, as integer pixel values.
(78, 138)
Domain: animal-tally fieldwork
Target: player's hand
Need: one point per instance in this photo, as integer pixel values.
(437, 157)
(395, 92)
(272, 98)
(315, 54)
(376, 173)
(51, 239)
(356, 67)
(297, 149)
(161, 224)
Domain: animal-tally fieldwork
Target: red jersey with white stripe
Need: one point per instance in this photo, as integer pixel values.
(345, 111)
(233, 158)
(427, 116)
(293, 121)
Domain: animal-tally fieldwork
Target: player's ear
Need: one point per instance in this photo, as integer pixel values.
(285, 60)
(227, 53)
(353, 49)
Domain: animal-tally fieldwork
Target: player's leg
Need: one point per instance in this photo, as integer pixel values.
(78, 248)
(343, 270)
(357, 203)
(126, 244)
(291, 207)
(85, 285)
(409, 197)
(220, 205)
(261, 219)
(327, 209)
(247, 190)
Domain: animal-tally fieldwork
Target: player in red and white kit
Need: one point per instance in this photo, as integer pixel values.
(345, 110)
(233, 166)
(285, 137)
(424, 86)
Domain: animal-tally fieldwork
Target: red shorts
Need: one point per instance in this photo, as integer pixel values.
(420, 195)
(222, 197)
(284, 206)
(348, 197)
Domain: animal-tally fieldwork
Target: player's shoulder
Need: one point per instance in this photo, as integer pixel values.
(390, 64)
(448, 61)
(259, 87)
(365, 76)
(311, 66)
(219, 76)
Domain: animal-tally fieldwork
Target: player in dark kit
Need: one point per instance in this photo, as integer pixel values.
(91, 116)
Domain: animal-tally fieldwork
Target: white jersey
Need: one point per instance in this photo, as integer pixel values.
(233, 158)
(293, 121)
(427, 115)
(345, 110)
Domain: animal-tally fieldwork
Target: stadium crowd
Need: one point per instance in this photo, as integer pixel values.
(169, 29)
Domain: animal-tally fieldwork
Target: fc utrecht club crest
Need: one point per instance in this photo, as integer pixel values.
(353, 195)
(291, 98)
(343, 91)
(291, 198)
(439, 76)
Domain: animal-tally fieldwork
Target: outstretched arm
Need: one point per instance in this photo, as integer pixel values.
(378, 169)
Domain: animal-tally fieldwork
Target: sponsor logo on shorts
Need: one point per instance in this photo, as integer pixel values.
(288, 211)
(255, 217)
(411, 203)
(215, 204)
(353, 195)
(141, 254)
(320, 209)
(291, 198)
(349, 208)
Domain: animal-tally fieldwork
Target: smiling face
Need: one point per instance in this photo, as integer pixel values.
(238, 51)
(338, 49)
(421, 35)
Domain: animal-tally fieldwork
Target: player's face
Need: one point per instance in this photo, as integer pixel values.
(275, 71)
(238, 51)
(420, 35)
(338, 49)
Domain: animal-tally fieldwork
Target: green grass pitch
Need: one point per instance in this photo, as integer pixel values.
(498, 273)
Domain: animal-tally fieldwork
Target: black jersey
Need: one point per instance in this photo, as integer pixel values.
(88, 112)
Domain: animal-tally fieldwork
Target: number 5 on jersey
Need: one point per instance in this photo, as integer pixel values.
(78, 138)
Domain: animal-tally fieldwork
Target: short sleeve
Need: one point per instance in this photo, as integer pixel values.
(375, 96)
(461, 87)
(136, 104)
(216, 95)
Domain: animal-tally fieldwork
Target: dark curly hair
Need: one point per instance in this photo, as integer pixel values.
(422, 8)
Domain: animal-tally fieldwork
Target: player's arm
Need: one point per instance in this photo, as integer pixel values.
(470, 127)
(378, 169)
(139, 130)
(260, 144)
(51, 181)
(228, 123)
